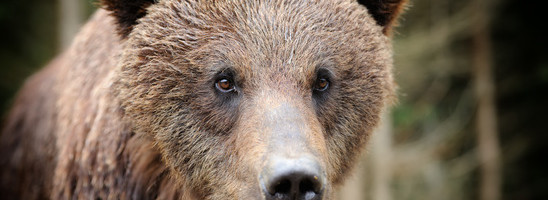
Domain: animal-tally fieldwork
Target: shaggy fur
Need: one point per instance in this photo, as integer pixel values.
(130, 110)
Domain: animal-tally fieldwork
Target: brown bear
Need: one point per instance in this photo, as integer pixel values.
(196, 99)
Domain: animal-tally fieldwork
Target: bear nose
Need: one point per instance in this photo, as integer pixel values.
(293, 179)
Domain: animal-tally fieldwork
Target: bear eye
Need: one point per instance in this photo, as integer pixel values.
(321, 84)
(224, 85)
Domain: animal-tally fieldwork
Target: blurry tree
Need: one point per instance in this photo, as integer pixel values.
(71, 18)
(445, 52)
(372, 176)
(486, 117)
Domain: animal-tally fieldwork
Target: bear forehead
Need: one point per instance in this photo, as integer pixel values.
(280, 20)
(260, 37)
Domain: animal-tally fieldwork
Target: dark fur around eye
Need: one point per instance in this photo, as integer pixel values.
(322, 85)
(225, 87)
(224, 81)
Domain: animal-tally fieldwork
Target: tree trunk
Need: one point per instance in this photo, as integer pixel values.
(381, 157)
(378, 159)
(354, 187)
(70, 20)
(486, 119)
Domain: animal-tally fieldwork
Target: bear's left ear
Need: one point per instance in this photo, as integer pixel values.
(126, 12)
(385, 12)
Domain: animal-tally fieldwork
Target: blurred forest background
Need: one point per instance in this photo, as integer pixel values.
(473, 77)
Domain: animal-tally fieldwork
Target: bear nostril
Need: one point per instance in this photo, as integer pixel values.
(310, 186)
(283, 187)
(295, 185)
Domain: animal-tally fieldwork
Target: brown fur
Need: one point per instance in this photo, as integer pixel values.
(136, 117)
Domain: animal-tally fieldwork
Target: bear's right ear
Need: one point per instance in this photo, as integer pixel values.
(126, 12)
(385, 12)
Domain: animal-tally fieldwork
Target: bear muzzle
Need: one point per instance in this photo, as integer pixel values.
(292, 168)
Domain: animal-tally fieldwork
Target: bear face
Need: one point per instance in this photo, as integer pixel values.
(223, 99)
(241, 97)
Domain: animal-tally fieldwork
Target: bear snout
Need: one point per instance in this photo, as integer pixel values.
(292, 169)
(292, 178)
